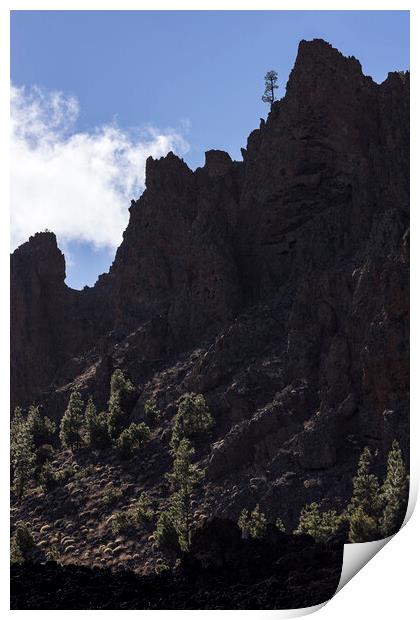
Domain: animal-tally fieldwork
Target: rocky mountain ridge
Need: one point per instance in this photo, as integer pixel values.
(276, 286)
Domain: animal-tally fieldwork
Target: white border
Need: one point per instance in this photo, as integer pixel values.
(366, 595)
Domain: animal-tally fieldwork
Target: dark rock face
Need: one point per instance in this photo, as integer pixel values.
(277, 286)
(37, 272)
(50, 323)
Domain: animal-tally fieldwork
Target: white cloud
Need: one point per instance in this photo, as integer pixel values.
(76, 184)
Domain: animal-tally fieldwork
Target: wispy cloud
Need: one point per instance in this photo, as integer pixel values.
(77, 184)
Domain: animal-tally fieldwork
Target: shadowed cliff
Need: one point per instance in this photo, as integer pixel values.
(278, 287)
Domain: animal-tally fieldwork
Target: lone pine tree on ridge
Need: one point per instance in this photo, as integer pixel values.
(270, 86)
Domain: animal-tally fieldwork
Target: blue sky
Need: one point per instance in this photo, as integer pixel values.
(195, 78)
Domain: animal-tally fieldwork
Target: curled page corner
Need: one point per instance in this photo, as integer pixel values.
(262, 614)
(302, 611)
(281, 613)
(357, 555)
(305, 611)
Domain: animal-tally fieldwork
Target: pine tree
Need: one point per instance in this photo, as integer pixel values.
(184, 477)
(121, 389)
(120, 383)
(89, 422)
(42, 428)
(253, 524)
(95, 427)
(192, 419)
(71, 426)
(170, 529)
(143, 511)
(15, 427)
(394, 492)
(132, 439)
(321, 525)
(22, 448)
(270, 86)
(365, 487)
(115, 415)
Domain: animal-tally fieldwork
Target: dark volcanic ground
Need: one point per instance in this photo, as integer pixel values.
(277, 573)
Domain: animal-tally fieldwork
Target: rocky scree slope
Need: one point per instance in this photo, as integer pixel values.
(276, 286)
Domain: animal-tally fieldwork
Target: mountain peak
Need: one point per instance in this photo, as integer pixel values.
(41, 253)
(320, 69)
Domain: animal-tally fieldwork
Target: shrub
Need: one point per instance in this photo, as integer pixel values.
(121, 522)
(52, 553)
(161, 568)
(111, 497)
(192, 419)
(151, 411)
(322, 526)
(83, 472)
(21, 543)
(169, 532)
(253, 524)
(49, 478)
(362, 527)
(71, 426)
(66, 473)
(280, 525)
(142, 510)
(131, 439)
